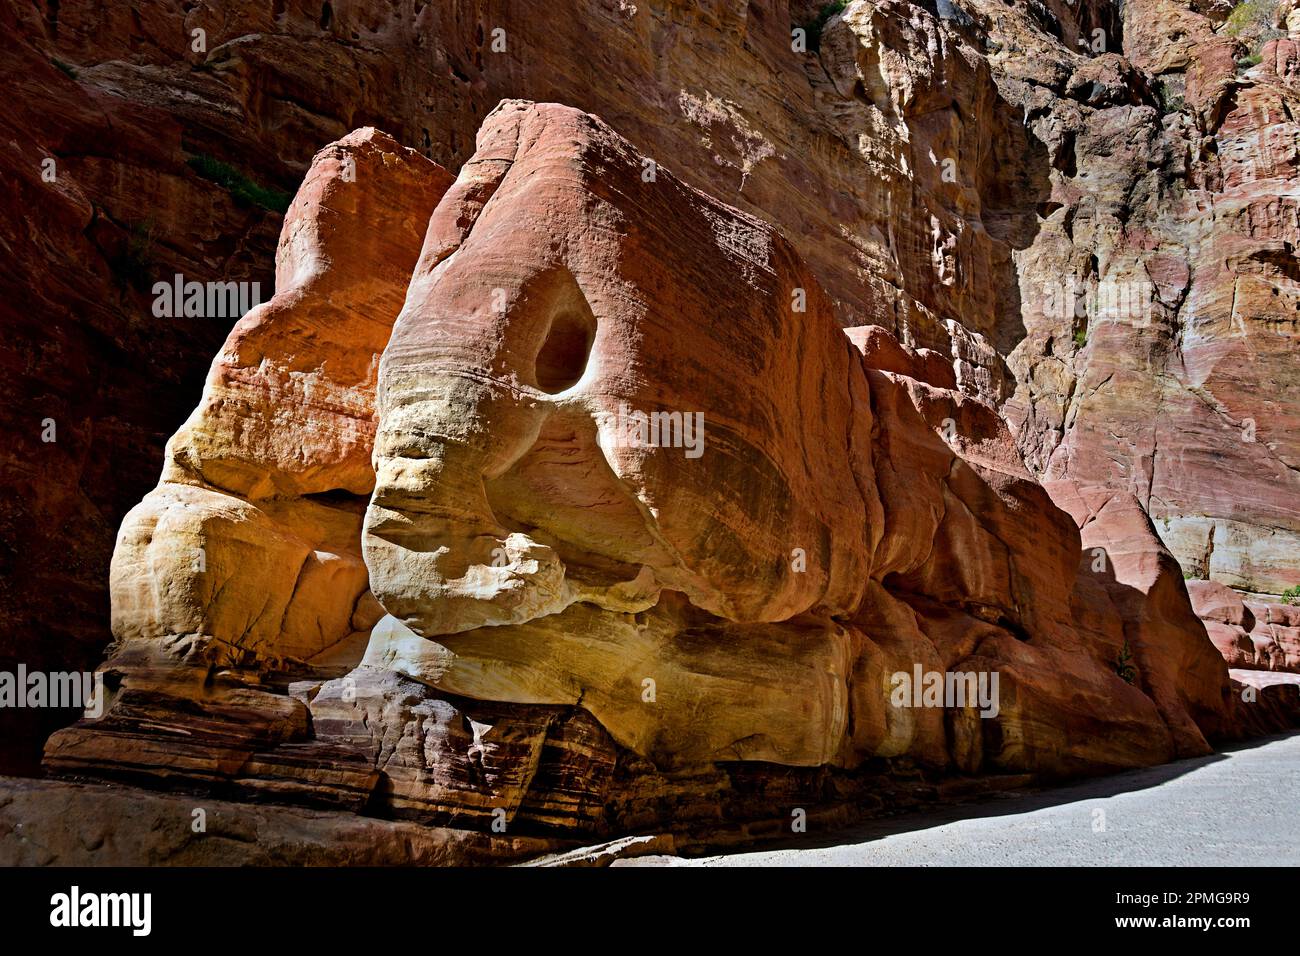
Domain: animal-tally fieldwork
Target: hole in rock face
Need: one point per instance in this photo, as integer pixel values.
(563, 356)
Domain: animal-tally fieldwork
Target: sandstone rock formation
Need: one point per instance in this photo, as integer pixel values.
(1174, 661)
(544, 558)
(251, 539)
(1161, 290)
(1061, 239)
(1249, 634)
(650, 541)
(247, 555)
(48, 823)
(1086, 210)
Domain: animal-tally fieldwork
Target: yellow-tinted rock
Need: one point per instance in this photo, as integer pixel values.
(253, 536)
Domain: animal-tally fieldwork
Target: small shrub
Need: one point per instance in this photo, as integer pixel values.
(133, 267)
(1170, 97)
(1081, 336)
(1254, 23)
(1291, 596)
(1124, 665)
(813, 28)
(242, 189)
(1251, 16)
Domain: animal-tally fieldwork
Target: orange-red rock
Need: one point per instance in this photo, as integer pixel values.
(974, 183)
(1249, 634)
(252, 539)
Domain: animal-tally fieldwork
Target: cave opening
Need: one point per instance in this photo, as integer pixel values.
(563, 356)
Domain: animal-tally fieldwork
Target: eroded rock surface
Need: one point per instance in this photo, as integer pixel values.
(571, 618)
(1160, 296)
(1061, 238)
(1086, 211)
(53, 823)
(1249, 634)
(251, 540)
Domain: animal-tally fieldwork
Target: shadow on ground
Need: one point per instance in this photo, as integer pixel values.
(1005, 803)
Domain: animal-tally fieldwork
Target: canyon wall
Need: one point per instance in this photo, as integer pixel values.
(1092, 231)
(536, 615)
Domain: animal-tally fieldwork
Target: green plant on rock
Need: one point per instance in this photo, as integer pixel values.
(813, 28)
(1124, 664)
(1171, 98)
(1291, 596)
(245, 191)
(133, 266)
(1250, 17)
(1254, 23)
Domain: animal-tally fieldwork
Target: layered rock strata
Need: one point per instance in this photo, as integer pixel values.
(1086, 209)
(648, 536)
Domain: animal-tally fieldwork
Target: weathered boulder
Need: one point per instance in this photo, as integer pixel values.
(652, 534)
(1227, 620)
(1084, 210)
(252, 538)
(503, 463)
(1276, 635)
(525, 520)
(1254, 635)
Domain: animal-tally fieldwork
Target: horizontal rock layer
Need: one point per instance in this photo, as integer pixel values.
(1249, 634)
(54, 823)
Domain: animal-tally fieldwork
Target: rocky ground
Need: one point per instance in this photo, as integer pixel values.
(1186, 813)
(44, 823)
